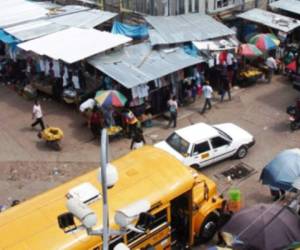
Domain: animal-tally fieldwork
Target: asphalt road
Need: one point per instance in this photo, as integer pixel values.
(28, 167)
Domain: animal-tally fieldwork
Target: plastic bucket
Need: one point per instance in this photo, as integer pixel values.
(234, 194)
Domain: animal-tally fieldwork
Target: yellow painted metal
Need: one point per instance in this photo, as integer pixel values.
(146, 173)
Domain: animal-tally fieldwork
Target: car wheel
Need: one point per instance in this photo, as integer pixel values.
(242, 152)
(208, 229)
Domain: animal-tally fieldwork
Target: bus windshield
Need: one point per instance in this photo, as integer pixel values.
(178, 143)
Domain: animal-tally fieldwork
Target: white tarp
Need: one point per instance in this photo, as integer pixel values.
(217, 44)
(74, 44)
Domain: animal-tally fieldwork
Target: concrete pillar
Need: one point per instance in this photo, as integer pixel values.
(186, 6)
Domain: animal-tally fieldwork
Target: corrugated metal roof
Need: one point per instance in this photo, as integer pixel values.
(74, 44)
(288, 5)
(34, 29)
(270, 19)
(185, 28)
(19, 11)
(139, 64)
(59, 19)
(84, 19)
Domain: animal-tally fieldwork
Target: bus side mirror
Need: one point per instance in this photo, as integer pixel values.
(145, 221)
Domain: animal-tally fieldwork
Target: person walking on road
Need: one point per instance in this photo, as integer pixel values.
(173, 106)
(225, 88)
(207, 92)
(272, 66)
(37, 114)
(138, 139)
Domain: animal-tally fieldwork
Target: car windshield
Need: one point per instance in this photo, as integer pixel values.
(222, 133)
(178, 143)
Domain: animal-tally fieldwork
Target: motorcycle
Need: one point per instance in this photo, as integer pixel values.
(294, 122)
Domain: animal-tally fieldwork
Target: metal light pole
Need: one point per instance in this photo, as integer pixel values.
(104, 159)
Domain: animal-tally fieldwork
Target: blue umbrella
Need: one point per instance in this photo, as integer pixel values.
(282, 170)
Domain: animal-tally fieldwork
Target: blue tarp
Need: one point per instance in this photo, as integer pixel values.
(6, 38)
(282, 170)
(133, 31)
(191, 50)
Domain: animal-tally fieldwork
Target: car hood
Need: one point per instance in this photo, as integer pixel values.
(235, 132)
(166, 147)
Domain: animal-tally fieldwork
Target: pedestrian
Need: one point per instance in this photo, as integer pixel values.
(138, 139)
(225, 88)
(37, 114)
(95, 123)
(272, 66)
(207, 92)
(173, 106)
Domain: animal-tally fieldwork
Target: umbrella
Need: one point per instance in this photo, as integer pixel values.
(265, 226)
(282, 170)
(265, 42)
(249, 50)
(109, 98)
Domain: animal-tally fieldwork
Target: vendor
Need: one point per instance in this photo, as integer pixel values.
(95, 123)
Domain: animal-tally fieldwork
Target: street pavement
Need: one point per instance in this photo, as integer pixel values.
(29, 167)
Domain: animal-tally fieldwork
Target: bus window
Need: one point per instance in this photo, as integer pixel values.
(115, 241)
(160, 218)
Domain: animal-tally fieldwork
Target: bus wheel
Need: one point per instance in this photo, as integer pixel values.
(208, 228)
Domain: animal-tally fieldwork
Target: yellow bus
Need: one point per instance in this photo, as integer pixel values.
(184, 204)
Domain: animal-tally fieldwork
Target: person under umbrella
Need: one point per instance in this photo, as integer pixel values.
(282, 171)
(256, 226)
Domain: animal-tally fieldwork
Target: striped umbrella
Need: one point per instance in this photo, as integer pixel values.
(249, 50)
(265, 42)
(109, 98)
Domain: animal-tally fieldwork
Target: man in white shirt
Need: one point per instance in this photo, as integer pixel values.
(272, 66)
(37, 115)
(173, 106)
(207, 92)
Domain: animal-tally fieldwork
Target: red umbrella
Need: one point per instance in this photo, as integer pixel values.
(249, 50)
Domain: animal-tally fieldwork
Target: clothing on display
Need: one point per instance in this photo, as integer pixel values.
(56, 69)
(140, 91)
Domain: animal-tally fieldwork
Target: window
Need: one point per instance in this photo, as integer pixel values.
(159, 219)
(178, 143)
(219, 4)
(201, 148)
(217, 142)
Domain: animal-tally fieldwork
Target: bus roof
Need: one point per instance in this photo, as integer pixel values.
(147, 173)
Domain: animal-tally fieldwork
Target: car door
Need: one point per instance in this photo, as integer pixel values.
(201, 154)
(221, 148)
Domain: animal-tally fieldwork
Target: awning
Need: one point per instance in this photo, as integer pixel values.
(139, 64)
(217, 44)
(185, 28)
(6, 38)
(60, 19)
(13, 12)
(74, 44)
(287, 5)
(270, 19)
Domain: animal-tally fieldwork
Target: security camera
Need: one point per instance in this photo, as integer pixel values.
(82, 212)
(111, 175)
(126, 216)
(121, 246)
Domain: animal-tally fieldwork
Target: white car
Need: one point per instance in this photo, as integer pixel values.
(201, 144)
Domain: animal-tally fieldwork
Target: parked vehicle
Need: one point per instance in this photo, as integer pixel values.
(184, 204)
(200, 145)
